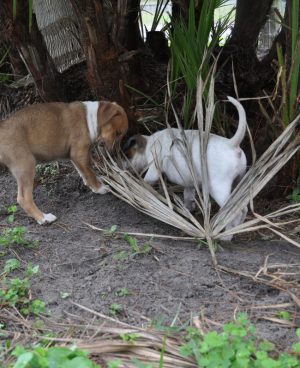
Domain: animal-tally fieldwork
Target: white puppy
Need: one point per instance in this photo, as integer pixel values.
(165, 151)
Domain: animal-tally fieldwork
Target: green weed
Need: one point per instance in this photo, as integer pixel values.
(115, 309)
(14, 235)
(114, 363)
(11, 210)
(11, 265)
(236, 346)
(52, 357)
(65, 295)
(294, 197)
(130, 337)
(120, 256)
(111, 231)
(135, 248)
(15, 292)
(284, 315)
(122, 292)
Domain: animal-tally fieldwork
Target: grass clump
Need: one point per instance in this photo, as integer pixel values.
(15, 291)
(237, 346)
(59, 357)
(14, 235)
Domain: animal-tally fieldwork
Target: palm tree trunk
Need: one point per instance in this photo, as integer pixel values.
(32, 49)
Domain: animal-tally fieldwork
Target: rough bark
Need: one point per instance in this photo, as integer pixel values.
(100, 54)
(249, 19)
(32, 49)
(109, 43)
(125, 28)
(180, 8)
(240, 50)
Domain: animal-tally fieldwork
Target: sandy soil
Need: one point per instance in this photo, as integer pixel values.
(174, 278)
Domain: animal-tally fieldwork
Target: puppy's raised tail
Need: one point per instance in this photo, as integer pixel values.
(241, 130)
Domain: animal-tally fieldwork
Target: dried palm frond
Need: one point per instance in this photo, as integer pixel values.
(169, 207)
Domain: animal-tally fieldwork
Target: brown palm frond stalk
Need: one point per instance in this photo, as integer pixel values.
(169, 208)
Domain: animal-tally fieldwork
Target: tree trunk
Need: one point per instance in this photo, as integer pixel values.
(125, 27)
(100, 54)
(180, 8)
(32, 49)
(109, 41)
(279, 39)
(240, 50)
(249, 20)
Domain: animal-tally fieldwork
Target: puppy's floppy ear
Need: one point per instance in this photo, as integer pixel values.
(107, 110)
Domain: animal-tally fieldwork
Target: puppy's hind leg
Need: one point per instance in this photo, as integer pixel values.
(221, 192)
(24, 174)
(189, 199)
(239, 218)
(152, 175)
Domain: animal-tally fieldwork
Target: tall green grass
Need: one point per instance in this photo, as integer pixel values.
(289, 65)
(193, 43)
(30, 11)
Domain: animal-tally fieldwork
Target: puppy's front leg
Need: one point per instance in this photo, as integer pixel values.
(82, 164)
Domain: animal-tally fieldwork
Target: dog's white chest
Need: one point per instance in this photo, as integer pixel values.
(91, 109)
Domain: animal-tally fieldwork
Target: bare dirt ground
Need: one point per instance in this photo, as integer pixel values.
(175, 278)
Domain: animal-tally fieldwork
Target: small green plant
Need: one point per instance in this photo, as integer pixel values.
(116, 363)
(14, 292)
(41, 357)
(130, 337)
(111, 231)
(201, 243)
(284, 315)
(11, 210)
(115, 309)
(135, 248)
(11, 265)
(139, 364)
(123, 254)
(65, 295)
(236, 346)
(15, 236)
(104, 295)
(122, 292)
(294, 197)
(132, 242)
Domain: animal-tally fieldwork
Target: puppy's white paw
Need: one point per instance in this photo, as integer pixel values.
(47, 219)
(226, 238)
(102, 190)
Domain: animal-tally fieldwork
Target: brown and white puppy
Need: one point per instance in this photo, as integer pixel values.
(51, 131)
